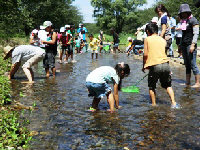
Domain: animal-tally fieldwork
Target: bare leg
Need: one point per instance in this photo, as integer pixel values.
(114, 50)
(111, 101)
(95, 102)
(92, 55)
(152, 94)
(171, 95)
(101, 49)
(61, 54)
(96, 55)
(188, 76)
(67, 56)
(196, 82)
(54, 71)
(29, 75)
(32, 74)
(47, 72)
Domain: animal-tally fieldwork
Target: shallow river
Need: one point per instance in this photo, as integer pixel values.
(63, 122)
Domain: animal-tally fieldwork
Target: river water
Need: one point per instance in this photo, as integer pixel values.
(63, 122)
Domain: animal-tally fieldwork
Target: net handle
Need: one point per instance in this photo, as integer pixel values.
(140, 80)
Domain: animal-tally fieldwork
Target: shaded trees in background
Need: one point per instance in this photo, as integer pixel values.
(114, 13)
(19, 16)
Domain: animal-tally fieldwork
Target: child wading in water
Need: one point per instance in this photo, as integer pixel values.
(155, 59)
(93, 46)
(97, 83)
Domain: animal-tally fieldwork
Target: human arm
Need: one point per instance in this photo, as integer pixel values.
(145, 54)
(53, 41)
(195, 37)
(163, 30)
(14, 69)
(31, 40)
(116, 95)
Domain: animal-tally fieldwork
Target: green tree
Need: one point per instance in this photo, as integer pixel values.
(24, 15)
(114, 13)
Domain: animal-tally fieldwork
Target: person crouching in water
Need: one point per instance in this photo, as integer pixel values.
(93, 45)
(155, 59)
(97, 83)
(28, 53)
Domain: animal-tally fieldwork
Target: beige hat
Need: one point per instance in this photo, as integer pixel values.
(6, 50)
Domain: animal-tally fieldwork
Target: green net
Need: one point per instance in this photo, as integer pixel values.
(131, 89)
(106, 48)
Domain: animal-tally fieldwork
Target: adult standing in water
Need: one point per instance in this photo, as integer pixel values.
(115, 41)
(51, 49)
(190, 34)
(164, 29)
(101, 38)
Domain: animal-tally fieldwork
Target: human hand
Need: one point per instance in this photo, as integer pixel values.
(143, 69)
(192, 47)
(111, 42)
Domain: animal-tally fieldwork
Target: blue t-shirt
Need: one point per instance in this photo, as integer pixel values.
(164, 20)
(81, 29)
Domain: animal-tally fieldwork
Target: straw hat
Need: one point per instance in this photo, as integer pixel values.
(6, 51)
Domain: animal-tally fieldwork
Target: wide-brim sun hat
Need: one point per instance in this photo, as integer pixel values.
(6, 50)
(47, 24)
(42, 27)
(184, 8)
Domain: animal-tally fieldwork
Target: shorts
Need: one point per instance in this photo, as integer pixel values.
(169, 42)
(33, 60)
(116, 45)
(101, 43)
(98, 89)
(178, 40)
(49, 60)
(68, 48)
(94, 51)
(161, 72)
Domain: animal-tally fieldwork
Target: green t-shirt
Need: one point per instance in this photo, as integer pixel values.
(72, 33)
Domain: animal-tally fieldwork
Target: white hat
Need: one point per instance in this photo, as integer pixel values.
(42, 27)
(129, 38)
(47, 24)
(67, 26)
(62, 29)
(79, 26)
(154, 19)
(35, 31)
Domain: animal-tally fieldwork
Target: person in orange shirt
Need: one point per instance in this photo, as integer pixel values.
(155, 59)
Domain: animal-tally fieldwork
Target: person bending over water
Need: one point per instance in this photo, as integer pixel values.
(97, 83)
(155, 59)
(33, 53)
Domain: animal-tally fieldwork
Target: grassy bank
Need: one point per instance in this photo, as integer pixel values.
(12, 133)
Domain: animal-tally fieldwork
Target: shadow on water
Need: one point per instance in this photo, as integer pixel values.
(63, 122)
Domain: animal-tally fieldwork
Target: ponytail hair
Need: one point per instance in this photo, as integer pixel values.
(126, 71)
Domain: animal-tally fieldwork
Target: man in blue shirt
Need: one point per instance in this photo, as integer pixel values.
(83, 31)
(172, 25)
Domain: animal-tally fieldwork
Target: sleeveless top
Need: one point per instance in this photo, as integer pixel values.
(156, 51)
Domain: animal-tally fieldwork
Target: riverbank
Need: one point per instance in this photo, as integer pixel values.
(13, 133)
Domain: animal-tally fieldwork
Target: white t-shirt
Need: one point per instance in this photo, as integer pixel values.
(23, 52)
(42, 35)
(178, 32)
(103, 74)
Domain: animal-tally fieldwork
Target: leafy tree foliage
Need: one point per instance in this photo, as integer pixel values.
(24, 15)
(115, 13)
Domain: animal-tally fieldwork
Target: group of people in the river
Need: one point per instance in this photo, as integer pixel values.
(156, 43)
